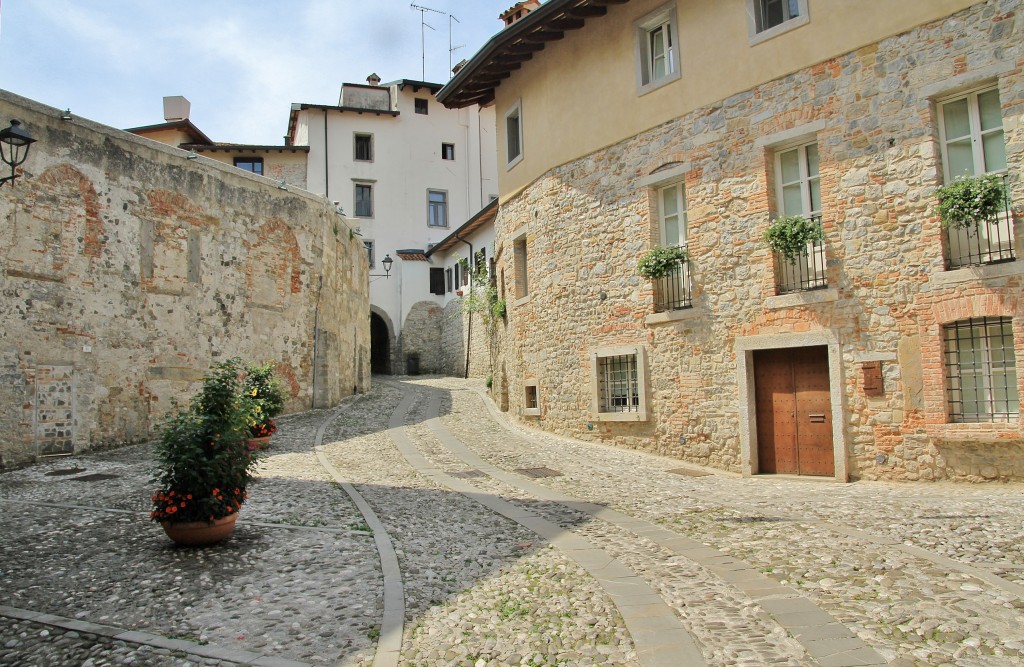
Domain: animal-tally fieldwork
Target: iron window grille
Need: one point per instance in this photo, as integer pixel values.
(985, 244)
(981, 372)
(806, 271)
(674, 291)
(618, 388)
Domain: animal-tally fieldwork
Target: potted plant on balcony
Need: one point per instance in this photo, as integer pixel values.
(264, 392)
(969, 201)
(660, 261)
(204, 463)
(790, 235)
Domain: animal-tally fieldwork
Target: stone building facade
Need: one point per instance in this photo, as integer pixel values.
(128, 269)
(588, 352)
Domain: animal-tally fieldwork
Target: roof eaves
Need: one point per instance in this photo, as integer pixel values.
(482, 217)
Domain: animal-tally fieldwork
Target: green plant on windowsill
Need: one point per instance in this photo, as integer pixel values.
(790, 235)
(660, 261)
(969, 201)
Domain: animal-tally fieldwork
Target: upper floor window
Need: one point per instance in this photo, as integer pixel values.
(798, 191)
(437, 281)
(447, 151)
(253, 164)
(767, 18)
(363, 147)
(437, 208)
(521, 267)
(673, 291)
(657, 53)
(981, 370)
(514, 135)
(971, 130)
(364, 200)
(420, 105)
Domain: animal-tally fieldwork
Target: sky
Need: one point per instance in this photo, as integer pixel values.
(241, 63)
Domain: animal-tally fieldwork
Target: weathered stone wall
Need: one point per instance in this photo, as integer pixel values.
(460, 329)
(873, 115)
(422, 337)
(128, 270)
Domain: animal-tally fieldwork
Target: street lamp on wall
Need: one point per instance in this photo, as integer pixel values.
(386, 262)
(14, 145)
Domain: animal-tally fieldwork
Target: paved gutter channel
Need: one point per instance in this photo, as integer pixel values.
(824, 638)
(657, 633)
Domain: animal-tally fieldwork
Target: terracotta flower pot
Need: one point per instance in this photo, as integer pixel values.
(198, 533)
(259, 443)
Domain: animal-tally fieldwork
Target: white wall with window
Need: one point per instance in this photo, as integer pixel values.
(363, 198)
(362, 147)
(981, 370)
(657, 52)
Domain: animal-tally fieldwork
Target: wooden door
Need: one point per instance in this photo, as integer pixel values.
(794, 411)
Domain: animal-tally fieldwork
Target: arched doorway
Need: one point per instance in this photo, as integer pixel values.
(380, 345)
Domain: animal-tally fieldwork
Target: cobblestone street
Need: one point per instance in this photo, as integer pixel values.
(416, 525)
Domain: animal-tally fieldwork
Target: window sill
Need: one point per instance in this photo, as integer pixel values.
(531, 412)
(980, 272)
(620, 417)
(513, 162)
(986, 432)
(796, 299)
(670, 316)
(782, 28)
(523, 301)
(644, 88)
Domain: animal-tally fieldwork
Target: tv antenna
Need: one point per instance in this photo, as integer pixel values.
(423, 45)
(452, 49)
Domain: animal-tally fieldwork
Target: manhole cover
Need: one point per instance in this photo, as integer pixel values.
(754, 519)
(686, 472)
(64, 471)
(467, 474)
(538, 472)
(95, 477)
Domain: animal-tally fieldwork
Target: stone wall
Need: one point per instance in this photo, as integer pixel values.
(873, 115)
(128, 270)
(459, 329)
(422, 337)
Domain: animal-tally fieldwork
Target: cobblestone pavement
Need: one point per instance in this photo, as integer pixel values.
(498, 566)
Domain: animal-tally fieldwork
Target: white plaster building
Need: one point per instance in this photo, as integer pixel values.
(409, 172)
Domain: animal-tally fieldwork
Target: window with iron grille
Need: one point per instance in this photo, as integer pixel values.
(363, 147)
(673, 291)
(619, 384)
(798, 193)
(981, 370)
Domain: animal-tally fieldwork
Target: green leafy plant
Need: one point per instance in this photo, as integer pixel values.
(264, 391)
(203, 459)
(483, 297)
(489, 381)
(971, 200)
(660, 261)
(789, 235)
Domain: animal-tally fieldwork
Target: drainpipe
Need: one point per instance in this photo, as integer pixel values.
(469, 335)
(327, 180)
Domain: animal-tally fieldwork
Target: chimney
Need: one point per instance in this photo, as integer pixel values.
(373, 79)
(518, 11)
(458, 66)
(176, 107)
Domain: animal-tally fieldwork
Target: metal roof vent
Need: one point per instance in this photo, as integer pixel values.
(373, 79)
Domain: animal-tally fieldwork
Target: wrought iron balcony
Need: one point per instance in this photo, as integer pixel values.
(673, 291)
(985, 244)
(805, 272)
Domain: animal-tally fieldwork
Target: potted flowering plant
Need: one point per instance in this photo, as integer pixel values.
(969, 201)
(790, 235)
(203, 461)
(660, 261)
(263, 390)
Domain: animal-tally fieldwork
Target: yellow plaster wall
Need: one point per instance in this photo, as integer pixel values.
(580, 94)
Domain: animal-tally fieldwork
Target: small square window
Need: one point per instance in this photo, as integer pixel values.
(420, 105)
(364, 200)
(363, 148)
(531, 398)
(253, 164)
(447, 151)
(768, 18)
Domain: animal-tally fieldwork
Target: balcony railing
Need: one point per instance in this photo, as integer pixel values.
(803, 273)
(985, 244)
(673, 291)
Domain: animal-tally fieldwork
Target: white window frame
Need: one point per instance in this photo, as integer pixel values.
(985, 373)
(805, 178)
(432, 206)
(597, 400)
(529, 384)
(974, 119)
(663, 19)
(757, 34)
(680, 195)
(355, 201)
(356, 136)
(516, 112)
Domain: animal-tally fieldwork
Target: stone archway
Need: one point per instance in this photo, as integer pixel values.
(381, 343)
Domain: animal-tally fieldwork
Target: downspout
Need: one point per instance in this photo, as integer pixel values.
(469, 335)
(327, 180)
